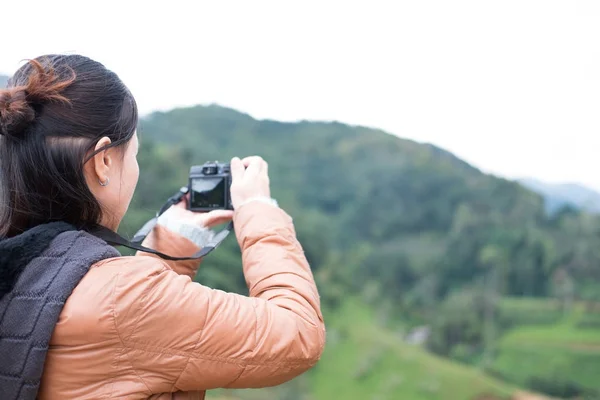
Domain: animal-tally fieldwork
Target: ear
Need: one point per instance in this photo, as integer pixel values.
(102, 160)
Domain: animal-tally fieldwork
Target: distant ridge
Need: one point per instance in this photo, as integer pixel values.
(558, 196)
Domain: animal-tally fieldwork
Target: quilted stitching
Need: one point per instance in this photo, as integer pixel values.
(28, 314)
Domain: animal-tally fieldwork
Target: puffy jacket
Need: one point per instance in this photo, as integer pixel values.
(139, 327)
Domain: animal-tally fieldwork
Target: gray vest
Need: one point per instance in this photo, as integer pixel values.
(39, 270)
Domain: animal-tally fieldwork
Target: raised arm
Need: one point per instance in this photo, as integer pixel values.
(215, 339)
(197, 338)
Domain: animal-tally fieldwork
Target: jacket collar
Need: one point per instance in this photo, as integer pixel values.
(18, 251)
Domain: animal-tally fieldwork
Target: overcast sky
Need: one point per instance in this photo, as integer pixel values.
(512, 86)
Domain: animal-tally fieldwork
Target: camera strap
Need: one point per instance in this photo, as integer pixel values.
(115, 239)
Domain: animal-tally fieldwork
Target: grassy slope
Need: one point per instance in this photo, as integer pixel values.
(552, 347)
(364, 361)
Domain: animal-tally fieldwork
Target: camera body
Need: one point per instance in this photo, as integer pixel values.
(209, 187)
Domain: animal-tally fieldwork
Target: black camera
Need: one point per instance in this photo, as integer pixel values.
(209, 187)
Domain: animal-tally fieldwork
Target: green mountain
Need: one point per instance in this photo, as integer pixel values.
(415, 236)
(558, 196)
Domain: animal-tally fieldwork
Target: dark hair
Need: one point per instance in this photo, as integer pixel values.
(52, 114)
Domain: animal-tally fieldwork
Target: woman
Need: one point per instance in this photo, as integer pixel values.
(79, 321)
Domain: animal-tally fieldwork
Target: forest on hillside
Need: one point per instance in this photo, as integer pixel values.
(404, 237)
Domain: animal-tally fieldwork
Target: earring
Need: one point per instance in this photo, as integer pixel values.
(104, 183)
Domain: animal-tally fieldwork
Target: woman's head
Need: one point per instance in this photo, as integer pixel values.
(68, 145)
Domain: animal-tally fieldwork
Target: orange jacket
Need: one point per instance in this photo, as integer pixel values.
(140, 328)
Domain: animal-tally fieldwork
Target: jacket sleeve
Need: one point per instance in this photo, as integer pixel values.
(165, 241)
(192, 337)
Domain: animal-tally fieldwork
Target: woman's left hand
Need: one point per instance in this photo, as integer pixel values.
(208, 220)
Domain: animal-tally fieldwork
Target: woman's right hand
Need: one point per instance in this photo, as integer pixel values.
(249, 179)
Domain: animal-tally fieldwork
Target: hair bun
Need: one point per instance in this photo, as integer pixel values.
(15, 112)
(16, 103)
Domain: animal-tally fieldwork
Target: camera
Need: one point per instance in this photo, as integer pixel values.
(209, 187)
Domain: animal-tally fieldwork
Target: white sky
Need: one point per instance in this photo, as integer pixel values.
(512, 86)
